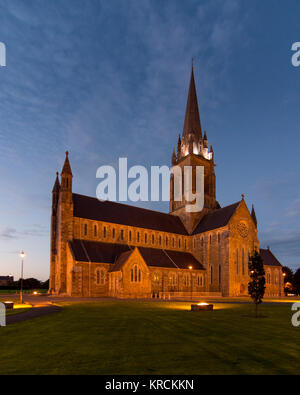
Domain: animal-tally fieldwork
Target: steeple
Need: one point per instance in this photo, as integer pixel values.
(192, 122)
(67, 167)
(253, 215)
(55, 194)
(179, 147)
(174, 157)
(66, 176)
(56, 184)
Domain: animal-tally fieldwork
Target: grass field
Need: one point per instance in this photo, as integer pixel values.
(121, 337)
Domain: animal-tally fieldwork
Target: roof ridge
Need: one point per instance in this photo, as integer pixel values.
(126, 205)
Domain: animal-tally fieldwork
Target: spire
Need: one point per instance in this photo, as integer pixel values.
(174, 159)
(253, 215)
(205, 142)
(56, 184)
(67, 167)
(192, 118)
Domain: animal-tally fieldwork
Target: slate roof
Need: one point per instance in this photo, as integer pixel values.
(117, 254)
(117, 213)
(216, 219)
(113, 212)
(121, 261)
(268, 258)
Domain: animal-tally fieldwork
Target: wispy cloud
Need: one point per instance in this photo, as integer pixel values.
(9, 233)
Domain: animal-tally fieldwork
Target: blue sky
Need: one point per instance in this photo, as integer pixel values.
(107, 79)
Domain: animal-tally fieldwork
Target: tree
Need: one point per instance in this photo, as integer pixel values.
(296, 282)
(256, 285)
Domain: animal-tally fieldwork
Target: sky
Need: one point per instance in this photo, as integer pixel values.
(108, 79)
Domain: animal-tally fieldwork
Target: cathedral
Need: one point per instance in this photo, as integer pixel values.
(108, 249)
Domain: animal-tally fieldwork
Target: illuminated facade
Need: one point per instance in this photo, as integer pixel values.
(102, 248)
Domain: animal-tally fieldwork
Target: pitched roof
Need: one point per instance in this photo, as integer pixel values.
(216, 219)
(121, 261)
(117, 254)
(169, 258)
(92, 251)
(268, 258)
(117, 213)
(192, 119)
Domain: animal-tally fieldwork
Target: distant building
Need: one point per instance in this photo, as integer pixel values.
(6, 280)
(103, 248)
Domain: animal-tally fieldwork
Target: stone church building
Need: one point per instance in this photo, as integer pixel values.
(104, 248)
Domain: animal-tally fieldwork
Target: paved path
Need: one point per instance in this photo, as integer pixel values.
(32, 313)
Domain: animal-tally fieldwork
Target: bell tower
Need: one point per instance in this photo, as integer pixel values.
(192, 150)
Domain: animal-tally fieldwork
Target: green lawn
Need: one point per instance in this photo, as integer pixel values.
(120, 337)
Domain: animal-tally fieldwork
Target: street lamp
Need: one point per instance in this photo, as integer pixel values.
(22, 255)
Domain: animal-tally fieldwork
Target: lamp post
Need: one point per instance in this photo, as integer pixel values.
(22, 255)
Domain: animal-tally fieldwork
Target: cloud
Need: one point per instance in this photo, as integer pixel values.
(294, 209)
(36, 230)
(8, 233)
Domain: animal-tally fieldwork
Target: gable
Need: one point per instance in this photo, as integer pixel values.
(269, 258)
(216, 219)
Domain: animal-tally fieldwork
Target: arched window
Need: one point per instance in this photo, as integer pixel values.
(113, 233)
(159, 239)
(130, 235)
(85, 229)
(153, 239)
(104, 232)
(122, 234)
(146, 238)
(220, 274)
(237, 261)
(136, 274)
(167, 241)
(156, 277)
(100, 276)
(138, 237)
(211, 274)
(200, 280)
(95, 231)
(243, 262)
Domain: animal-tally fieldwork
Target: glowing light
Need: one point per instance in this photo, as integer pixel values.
(190, 267)
(35, 293)
(202, 304)
(22, 306)
(22, 254)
